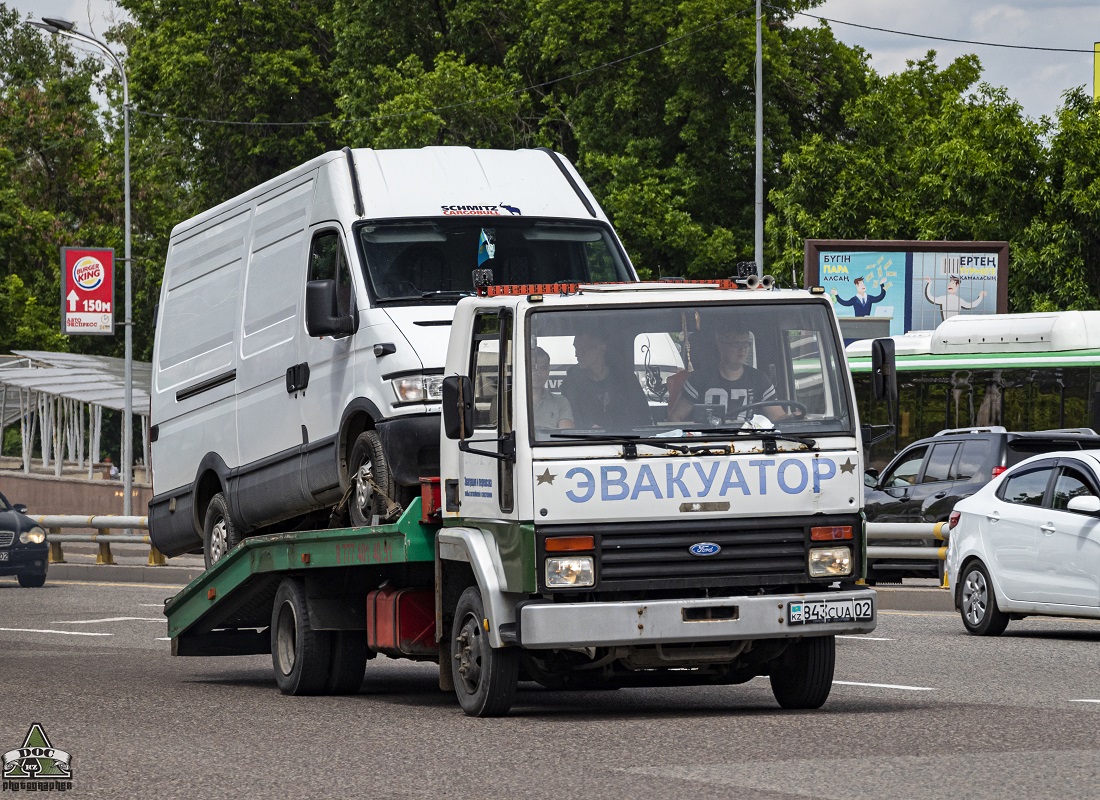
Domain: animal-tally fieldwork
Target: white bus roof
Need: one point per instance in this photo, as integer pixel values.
(1048, 332)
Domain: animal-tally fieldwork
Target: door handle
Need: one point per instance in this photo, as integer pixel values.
(940, 495)
(993, 516)
(1048, 528)
(297, 378)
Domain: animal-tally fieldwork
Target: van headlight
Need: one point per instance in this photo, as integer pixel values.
(418, 388)
(34, 536)
(569, 572)
(829, 562)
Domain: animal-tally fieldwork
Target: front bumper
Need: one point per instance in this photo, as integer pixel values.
(541, 625)
(25, 560)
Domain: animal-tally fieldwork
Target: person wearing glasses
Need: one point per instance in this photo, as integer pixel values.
(729, 385)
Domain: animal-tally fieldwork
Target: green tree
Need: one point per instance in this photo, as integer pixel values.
(1056, 257)
(927, 154)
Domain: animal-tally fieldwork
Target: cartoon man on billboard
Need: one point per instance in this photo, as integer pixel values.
(860, 302)
(950, 304)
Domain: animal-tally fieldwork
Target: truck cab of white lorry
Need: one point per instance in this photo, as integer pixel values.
(263, 419)
(648, 485)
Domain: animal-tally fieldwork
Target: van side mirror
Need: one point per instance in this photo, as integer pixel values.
(458, 406)
(1085, 504)
(322, 315)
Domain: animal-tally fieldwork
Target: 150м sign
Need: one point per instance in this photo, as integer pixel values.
(87, 291)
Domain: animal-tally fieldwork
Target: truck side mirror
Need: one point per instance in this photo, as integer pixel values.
(884, 373)
(322, 315)
(458, 406)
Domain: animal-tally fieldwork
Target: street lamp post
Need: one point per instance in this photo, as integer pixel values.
(65, 28)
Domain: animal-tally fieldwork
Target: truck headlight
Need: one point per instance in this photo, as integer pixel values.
(828, 562)
(34, 536)
(418, 388)
(570, 572)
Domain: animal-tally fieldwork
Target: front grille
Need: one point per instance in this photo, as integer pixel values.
(655, 555)
(6, 538)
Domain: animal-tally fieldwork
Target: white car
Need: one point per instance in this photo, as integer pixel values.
(1029, 543)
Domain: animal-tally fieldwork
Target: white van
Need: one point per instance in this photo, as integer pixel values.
(265, 415)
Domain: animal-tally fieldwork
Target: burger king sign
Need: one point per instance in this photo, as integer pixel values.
(87, 291)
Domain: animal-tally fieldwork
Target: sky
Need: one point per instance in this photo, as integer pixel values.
(1035, 79)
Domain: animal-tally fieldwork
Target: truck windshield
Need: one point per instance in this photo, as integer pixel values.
(687, 371)
(434, 259)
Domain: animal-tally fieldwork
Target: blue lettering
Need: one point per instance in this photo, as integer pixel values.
(613, 478)
(762, 464)
(585, 484)
(734, 479)
(646, 483)
(671, 481)
(803, 476)
(819, 475)
(708, 480)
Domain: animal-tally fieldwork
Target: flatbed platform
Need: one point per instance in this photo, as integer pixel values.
(226, 609)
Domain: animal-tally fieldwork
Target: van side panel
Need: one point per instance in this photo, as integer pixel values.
(195, 357)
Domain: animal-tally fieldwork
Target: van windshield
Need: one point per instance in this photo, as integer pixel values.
(434, 259)
(686, 372)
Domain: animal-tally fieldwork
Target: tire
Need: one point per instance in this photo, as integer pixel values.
(347, 662)
(803, 676)
(367, 458)
(32, 580)
(299, 654)
(219, 532)
(978, 603)
(485, 677)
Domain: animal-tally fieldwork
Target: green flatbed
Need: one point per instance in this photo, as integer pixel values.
(226, 608)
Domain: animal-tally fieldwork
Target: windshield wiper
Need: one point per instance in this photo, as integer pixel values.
(769, 436)
(442, 294)
(629, 442)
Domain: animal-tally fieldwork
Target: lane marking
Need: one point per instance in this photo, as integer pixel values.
(866, 638)
(886, 686)
(122, 584)
(151, 605)
(163, 639)
(68, 633)
(105, 619)
(1084, 701)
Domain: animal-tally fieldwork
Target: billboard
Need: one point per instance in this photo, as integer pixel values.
(887, 288)
(87, 291)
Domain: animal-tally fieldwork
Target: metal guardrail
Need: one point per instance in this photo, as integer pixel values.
(907, 530)
(104, 525)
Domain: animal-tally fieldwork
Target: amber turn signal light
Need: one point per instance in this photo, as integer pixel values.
(570, 544)
(830, 533)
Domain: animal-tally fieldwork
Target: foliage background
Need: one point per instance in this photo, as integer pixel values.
(652, 100)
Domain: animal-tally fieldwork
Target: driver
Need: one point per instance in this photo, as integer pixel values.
(731, 385)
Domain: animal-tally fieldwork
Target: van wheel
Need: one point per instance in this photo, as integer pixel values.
(219, 533)
(368, 463)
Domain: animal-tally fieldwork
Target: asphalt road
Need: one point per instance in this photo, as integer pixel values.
(919, 710)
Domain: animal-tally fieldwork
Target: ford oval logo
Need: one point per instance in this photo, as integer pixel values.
(705, 549)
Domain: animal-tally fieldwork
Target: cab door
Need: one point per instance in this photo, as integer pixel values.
(487, 463)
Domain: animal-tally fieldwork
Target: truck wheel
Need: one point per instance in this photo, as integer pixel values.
(348, 662)
(978, 603)
(803, 676)
(219, 533)
(368, 462)
(32, 580)
(485, 677)
(300, 655)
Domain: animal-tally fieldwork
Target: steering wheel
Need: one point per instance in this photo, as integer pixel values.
(747, 411)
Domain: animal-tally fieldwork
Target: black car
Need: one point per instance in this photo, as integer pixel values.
(23, 548)
(927, 478)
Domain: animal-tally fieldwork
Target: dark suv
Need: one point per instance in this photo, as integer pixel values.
(24, 551)
(927, 478)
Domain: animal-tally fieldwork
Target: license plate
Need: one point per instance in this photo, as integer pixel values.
(3, 555)
(816, 611)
